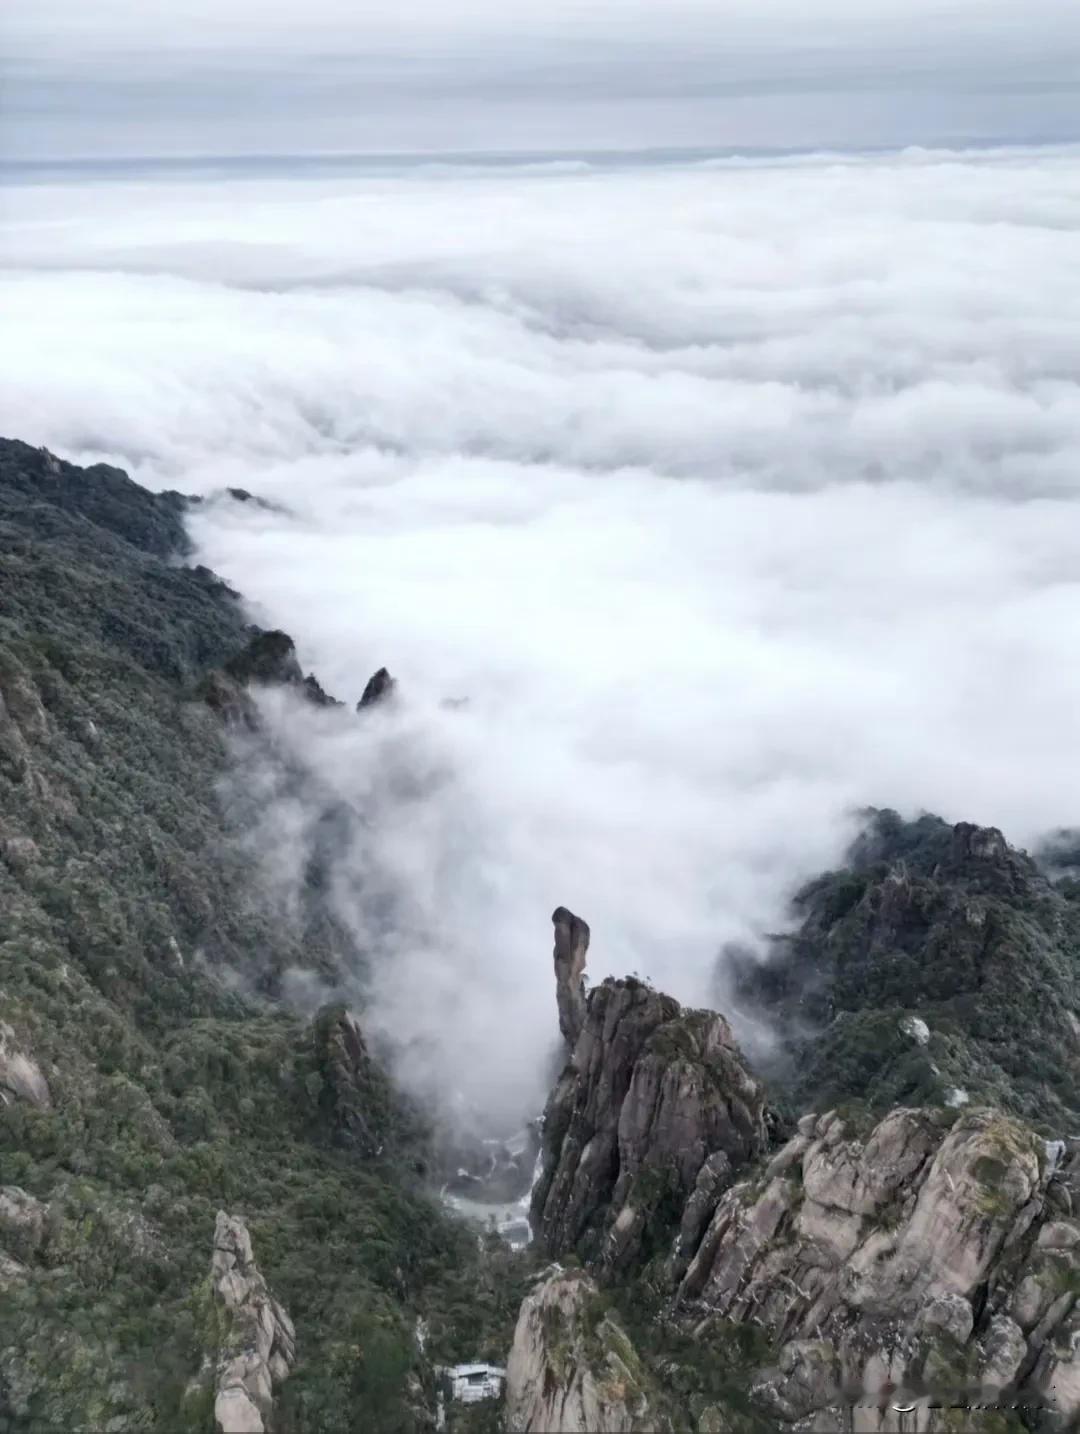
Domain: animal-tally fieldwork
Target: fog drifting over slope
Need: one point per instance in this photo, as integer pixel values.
(732, 496)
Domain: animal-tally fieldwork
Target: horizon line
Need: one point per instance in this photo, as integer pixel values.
(583, 154)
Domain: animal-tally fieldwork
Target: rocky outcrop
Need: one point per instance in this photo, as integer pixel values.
(938, 964)
(572, 1369)
(23, 1229)
(652, 1095)
(258, 1343)
(353, 1086)
(268, 660)
(922, 1263)
(571, 948)
(380, 686)
(21, 1078)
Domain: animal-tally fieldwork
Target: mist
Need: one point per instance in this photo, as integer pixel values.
(732, 495)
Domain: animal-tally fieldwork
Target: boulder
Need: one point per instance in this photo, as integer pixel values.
(572, 1369)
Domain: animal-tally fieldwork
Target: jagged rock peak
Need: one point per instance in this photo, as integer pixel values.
(651, 1095)
(380, 686)
(269, 659)
(571, 948)
(572, 1369)
(258, 1346)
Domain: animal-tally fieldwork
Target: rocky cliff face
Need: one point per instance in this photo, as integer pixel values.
(925, 1262)
(571, 949)
(650, 1096)
(258, 1343)
(572, 1368)
(896, 1274)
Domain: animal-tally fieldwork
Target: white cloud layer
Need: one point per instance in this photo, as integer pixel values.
(732, 496)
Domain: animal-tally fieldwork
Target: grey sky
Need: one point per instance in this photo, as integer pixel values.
(235, 76)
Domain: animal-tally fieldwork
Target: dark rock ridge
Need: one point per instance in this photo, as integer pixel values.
(356, 1097)
(650, 1096)
(269, 659)
(947, 926)
(380, 687)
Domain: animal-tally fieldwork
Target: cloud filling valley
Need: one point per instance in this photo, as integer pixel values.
(732, 496)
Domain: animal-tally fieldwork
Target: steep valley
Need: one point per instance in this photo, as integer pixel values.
(219, 1211)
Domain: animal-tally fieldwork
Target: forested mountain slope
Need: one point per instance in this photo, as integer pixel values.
(147, 1080)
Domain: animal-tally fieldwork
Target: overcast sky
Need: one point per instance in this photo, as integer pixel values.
(123, 77)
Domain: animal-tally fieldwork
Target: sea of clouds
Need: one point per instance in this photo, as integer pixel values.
(732, 495)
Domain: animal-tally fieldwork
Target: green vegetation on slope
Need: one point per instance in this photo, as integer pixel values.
(129, 919)
(948, 925)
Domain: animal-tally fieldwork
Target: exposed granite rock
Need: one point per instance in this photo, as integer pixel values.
(649, 1094)
(572, 1369)
(21, 1078)
(258, 1346)
(924, 1261)
(380, 686)
(571, 948)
